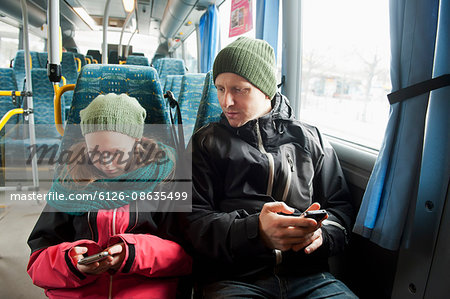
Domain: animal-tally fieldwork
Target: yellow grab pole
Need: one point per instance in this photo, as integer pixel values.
(78, 64)
(57, 105)
(8, 115)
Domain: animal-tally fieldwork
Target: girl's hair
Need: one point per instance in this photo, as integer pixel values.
(81, 170)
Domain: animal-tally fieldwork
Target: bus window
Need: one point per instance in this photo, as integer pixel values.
(9, 43)
(224, 19)
(345, 68)
(190, 45)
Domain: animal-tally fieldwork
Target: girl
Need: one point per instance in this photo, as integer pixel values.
(114, 158)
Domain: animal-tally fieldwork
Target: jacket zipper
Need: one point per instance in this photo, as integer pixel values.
(114, 233)
(289, 177)
(269, 157)
(278, 253)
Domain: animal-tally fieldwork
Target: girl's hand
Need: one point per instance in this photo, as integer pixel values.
(117, 252)
(94, 268)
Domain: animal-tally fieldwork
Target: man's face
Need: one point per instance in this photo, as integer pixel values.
(240, 100)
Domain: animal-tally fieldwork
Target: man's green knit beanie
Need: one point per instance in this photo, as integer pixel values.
(252, 59)
(116, 113)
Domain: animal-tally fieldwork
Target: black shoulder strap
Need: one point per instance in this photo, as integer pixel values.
(419, 88)
(173, 103)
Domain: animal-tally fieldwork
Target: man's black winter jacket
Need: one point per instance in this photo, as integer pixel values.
(237, 170)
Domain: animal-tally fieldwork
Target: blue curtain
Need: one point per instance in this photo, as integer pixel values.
(267, 22)
(392, 188)
(209, 38)
(435, 174)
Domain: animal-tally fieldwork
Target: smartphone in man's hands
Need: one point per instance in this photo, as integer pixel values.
(317, 215)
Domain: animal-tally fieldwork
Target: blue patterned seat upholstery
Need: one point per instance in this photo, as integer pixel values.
(82, 59)
(170, 66)
(45, 130)
(189, 100)
(37, 61)
(69, 71)
(175, 85)
(137, 60)
(19, 68)
(43, 94)
(137, 81)
(8, 83)
(43, 57)
(91, 58)
(209, 109)
(140, 82)
(69, 67)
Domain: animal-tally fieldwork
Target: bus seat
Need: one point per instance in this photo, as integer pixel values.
(95, 54)
(113, 57)
(137, 81)
(19, 66)
(18, 145)
(69, 70)
(209, 109)
(140, 82)
(170, 66)
(43, 94)
(189, 101)
(137, 60)
(175, 86)
(69, 67)
(8, 82)
(43, 57)
(81, 57)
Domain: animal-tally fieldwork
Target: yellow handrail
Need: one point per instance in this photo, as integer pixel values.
(95, 61)
(8, 115)
(10, 93)
(122, 61)
(57, 105)
(79, 64)
(88, 60)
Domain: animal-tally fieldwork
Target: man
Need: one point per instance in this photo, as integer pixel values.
(255, 164)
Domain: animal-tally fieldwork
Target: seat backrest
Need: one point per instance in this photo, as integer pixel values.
(113, 57)
(95, 54)
(19, 66)
(140, 82)
(170, 66)
(43, 94)
(189, 100)
(8, 83)
(81, 57)
(209, 109)
(91, 58)
(137, 60)
(175, 86)
(43, 57)
(69, 67)
(137, 81)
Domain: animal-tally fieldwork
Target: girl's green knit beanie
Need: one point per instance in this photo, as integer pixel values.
(116, 113)
(252, 59)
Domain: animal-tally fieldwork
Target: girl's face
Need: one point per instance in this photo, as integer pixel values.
(110, 152)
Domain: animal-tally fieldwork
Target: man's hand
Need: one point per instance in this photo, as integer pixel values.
(112, 262)
(289, 232)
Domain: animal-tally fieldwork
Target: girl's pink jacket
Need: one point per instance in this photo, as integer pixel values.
(151, 268)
